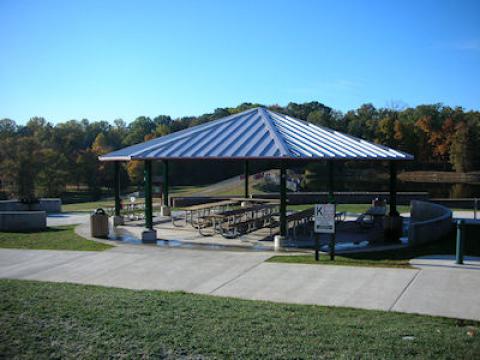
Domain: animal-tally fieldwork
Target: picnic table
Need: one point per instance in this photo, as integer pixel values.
(257, 201)
(236, 222)
(194, 212)
(131, 210)
(303, 218)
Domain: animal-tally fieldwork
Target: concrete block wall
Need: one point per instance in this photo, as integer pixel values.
(48, 205)
(23, 220)
(428, 222)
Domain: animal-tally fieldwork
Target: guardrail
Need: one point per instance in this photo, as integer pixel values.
(461, 203)
(341, 197)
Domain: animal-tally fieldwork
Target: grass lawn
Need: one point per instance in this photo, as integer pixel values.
(109, 203)
(53, 238)
(51, 320)
(87, 206)
(341, 260)
(390, 258)
(353, 208)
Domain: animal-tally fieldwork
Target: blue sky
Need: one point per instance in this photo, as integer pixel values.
(104, 60)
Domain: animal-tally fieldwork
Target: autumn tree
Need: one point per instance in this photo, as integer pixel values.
(462, 151)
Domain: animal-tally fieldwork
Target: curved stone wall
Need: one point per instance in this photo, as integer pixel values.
(23, 220)
(428, 222)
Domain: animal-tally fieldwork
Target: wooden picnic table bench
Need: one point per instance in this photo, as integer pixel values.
(257, 200)
(131, 210)
(303, 218)
(202, 210)
(236, 222)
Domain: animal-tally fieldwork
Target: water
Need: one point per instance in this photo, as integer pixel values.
(436, 189)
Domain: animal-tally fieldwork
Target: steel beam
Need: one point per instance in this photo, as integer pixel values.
(165, 183)
(116, 185)
(247, 173)
(148, 194)
(331, 196)
(393, 189)
(283, 200)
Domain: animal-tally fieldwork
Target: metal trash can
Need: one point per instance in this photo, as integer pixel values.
(99, 224)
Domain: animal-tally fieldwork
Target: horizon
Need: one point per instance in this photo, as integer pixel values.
(174, 118)
(109, 60)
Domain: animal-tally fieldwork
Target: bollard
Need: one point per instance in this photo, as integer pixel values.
(475, 207)
(460, 239)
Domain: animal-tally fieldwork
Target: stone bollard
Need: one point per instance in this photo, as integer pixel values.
(278, 242)
(149, 236)
(117, 220)
(165, 211)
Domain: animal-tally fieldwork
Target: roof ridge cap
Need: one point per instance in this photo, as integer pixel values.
(272, 129)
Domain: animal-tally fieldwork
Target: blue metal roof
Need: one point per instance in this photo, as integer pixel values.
(257, 134)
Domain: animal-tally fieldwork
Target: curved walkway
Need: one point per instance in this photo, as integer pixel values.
(436, 287)
(445, 291)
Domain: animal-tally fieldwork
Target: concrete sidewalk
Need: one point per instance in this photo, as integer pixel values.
(434, 290)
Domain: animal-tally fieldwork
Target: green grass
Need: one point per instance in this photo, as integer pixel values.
(354, 208)
(391, 258)
(88, 206)
(53, 238)
(341, 260)
(51, 320)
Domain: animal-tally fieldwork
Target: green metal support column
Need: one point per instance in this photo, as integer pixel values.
(148, 194)
(393, 189)
(460, 241)
(247, 173)
(331, 196)
(283, 200)
(116, 180)
(165, 183)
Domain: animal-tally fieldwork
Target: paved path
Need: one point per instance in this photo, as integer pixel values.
(62, 219)
(436, 288)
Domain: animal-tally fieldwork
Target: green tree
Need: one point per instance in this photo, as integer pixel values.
(19, 166)
(52, 176)
(462, 150)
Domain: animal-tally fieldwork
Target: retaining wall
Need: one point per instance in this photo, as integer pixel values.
(428, 222)
(48, 205)
(23, 220)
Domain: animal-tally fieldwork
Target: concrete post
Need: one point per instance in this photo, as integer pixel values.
(475, 208)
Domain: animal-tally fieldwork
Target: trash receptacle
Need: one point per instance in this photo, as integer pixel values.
(99, 224)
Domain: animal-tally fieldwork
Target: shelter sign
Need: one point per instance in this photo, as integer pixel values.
(325, 218)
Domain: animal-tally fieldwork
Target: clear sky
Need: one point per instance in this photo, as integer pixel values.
(104, 60)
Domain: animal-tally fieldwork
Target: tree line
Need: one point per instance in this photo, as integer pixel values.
(41, 158)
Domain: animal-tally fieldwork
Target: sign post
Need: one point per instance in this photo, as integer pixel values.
(325, 224)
